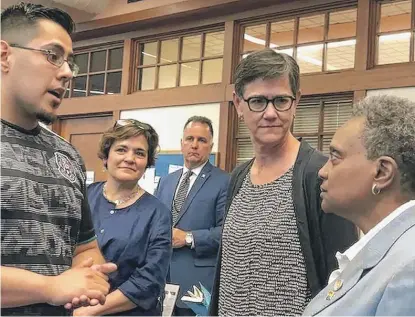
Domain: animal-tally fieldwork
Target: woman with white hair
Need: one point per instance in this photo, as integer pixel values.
(370, 180)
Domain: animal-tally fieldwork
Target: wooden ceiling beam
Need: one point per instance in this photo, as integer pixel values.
(168, 14)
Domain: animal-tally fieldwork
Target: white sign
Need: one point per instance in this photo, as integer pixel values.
(146, 182)
(171, 292)
(90, 176)
(173, 168)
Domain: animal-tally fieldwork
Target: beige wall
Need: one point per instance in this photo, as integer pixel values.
(406, 92)
(169, 122)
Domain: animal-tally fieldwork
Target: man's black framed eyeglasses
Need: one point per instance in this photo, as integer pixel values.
(54, 58)
(260, 103)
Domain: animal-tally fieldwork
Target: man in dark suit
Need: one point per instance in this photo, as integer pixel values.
(196, 195)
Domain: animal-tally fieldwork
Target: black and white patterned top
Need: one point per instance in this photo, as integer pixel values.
(263, 270)
(44, 210)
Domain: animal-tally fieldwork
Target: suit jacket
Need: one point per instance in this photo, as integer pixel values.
(202, 214)
(380, 280)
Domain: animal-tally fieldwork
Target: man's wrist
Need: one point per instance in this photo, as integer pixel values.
(47, 290)
(189, 240)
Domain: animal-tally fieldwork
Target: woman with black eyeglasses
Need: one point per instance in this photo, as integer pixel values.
(133, 227)
(277, 246)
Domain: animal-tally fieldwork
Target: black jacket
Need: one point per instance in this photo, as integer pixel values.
(321, 235)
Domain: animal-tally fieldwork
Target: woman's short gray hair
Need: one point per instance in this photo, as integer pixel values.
(390, 131)
(266, 64)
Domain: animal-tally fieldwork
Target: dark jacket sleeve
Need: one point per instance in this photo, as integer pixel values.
(207, 241)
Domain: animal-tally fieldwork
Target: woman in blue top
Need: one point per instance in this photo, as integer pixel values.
(133, 227)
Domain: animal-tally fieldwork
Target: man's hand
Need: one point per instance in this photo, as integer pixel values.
(84, 311)
(179, 238)
(82, 280)
(84, 300)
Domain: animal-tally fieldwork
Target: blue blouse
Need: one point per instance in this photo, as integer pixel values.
(138, 239)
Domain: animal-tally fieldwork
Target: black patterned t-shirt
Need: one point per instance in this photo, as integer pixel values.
(44, 208)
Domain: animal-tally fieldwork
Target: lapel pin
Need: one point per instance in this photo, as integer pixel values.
(203, 175)
(337, 285)
(330, 295)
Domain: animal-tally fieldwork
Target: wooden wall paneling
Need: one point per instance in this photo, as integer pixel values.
(359, 95)
(232, 133)
(362, 35)
(223, 140)
(381, 77)
(144, 99)
(167, 15)
(127, 67)
(79, 125)
(374, 29)
(229, 47)
(202, 50)
(412, 45)
(56, 127)
(84, 133)
(116, 114)
(378, 78)
(179, 57)
(225, 134)
(233, 13)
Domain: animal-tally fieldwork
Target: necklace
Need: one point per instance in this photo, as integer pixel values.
(123, 199)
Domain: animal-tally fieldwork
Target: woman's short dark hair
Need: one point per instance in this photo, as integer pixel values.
(266, 64)
(18, 21)
(129, 128)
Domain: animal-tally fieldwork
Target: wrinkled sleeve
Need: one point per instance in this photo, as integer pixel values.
(398, 297)
(147, 282)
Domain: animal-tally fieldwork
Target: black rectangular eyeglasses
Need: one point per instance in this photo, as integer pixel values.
(260, 103)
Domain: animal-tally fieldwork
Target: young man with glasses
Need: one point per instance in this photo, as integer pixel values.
(49, 254)
(278, 247)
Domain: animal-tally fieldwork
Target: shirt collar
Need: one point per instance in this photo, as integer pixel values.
(196, 170)
(34, 131)
(344, 258)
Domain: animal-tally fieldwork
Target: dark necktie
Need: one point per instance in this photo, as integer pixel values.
(181, 195)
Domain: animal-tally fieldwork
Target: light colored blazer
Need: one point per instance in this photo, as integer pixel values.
(380, 280)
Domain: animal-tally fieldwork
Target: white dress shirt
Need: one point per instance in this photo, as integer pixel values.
(343, 259)
(196, 171)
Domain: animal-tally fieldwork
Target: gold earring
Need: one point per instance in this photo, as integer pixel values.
(375, 190)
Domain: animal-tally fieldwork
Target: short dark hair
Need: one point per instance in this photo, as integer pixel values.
(266, 64)
(133, 128)
(200, 119)
(19, 20)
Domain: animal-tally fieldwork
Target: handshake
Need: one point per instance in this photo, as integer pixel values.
(84, 285)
